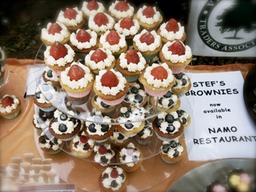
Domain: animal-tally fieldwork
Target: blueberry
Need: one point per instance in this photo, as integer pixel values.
(166, 148)
(37, 94)
(134, 90)
(62, 127)
(138, 98)
(114, 184)
(179, 75)
(159, 122)
(104, 105)
(42, 139)
(92, 128)
(184, 81)
(104, 128)
(160, 101)
(176, 153)
(120, 137)
(73, 120)
(49, 73)
(173, 144)
(168, 94)
(170, 103)
(128, 125)
(63, 117)
(170, 128)
(169, 118)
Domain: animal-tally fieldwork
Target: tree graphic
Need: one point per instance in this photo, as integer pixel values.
(242, 15)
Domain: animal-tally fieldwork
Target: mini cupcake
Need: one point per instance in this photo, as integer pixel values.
(130, 157)
(176, 54)
(101, 22)
(72, 18)
(42, 102)
(149, 43)
(118, 139)
(168, 102)
(157, 79)
(114, 42)
(50, 76)
(113, 178)
(145, 136)
(92, 7)
(100, 59)
(58, 56)
(104, 154)
(64, 127)
(167, 126)
(50, 146)
(149, 17)
(119, 9)
(77, 80)
(81, 146)
(83, 41)
(216, 186)
(171, 151)
(184, 117)
(182, 83)
(131, 64)
(99, 105)
(10, 106)
(172, 30)
(111, 86)
(54, 32)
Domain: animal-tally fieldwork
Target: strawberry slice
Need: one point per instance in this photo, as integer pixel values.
(58, 50)
(113, 37)
(114, 173)
(147, 38)
(92, 5)
(132, 56)
(83, 139)
(148, 12)
(172, 25)
(159, 72)
(122, 6)
(126, 23)
(76, 72)
(83, 36)
(100, 19)
(177, 48)
(98, 55)
(102, 150)
(109, 79)
(70, 13)
(54, 28)
(7, 101)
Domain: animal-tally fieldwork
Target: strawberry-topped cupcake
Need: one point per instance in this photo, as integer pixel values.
(111, 86)
(92, 7)
(54, 32)
(176, 54)
(149, 17)
(58, 56)
(157, 79)
(10, 106)
(72, 18)
(83, 41)
(101, 22)
(149, 43)
(172, 30)
(113, 41)
(131, 64)
(100, 59)
(77, 80)
(120, 8)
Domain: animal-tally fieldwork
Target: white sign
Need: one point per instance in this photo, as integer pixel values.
(221, 126)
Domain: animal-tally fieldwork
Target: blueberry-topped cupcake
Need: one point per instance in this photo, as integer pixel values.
(171, 151)
(145, 136)
(182, 83)
(136, 95)
(118, 139)
(184, 117)
(50, 146)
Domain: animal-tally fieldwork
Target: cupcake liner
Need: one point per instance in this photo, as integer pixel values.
(78, 94)
(12, 116)
(177, 69)
(113, 102)
(155, 93)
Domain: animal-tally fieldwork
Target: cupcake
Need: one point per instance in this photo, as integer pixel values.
(50, 146)
(41, 119)
(149, 17)
(171, 151)
(10, 106)
(54, 32)
(99, 105)
(50, 76)
(101, 22)
(77, 80)
(167, 126)
(176, 54)
(157, 79)
(118, 139)
(168, 102)
(136, 95)
(182, 83)
(64, 127)
(83, 41)
(111, 86)
(92, 7)
(42, 102)
(127, 122)
(184, 117)
(114, 42)
(149, 43)
(145, 136)
(100, 59)
(171, 30)
(119, 9)
(216, 186)
(104, 154)
(58, 56)
(130, 157)
(131, 64)
(113, 178)
(72, 18)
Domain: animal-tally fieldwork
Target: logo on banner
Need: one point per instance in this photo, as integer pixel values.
(228, 26)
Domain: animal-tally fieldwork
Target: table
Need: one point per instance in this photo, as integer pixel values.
(17, 135)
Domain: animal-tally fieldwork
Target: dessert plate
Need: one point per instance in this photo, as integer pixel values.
(197, 179)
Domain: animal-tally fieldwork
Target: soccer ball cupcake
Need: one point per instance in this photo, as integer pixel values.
(50, 76)
(182, 83)
(92, 7)
(176, 54)
(119, 9)
(171, 151)
(10, 106)
(157, 79)
(104, 154)
(145, 136)
(49, 145)
(184, 117)
(41, 100)
(118, 139)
